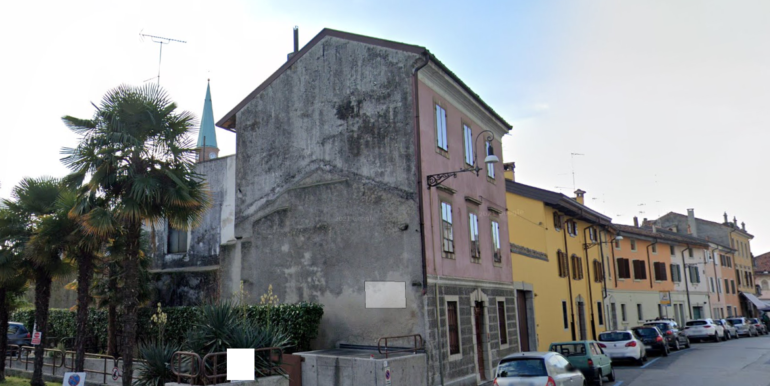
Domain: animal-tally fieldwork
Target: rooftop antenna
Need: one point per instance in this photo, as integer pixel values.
(574, 187)
(160, 40)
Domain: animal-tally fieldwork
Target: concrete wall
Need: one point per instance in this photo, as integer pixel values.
(319, 369)
(326, 186)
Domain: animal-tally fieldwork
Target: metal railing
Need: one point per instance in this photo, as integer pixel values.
(23, 356)
(415, 347)
(190, 367)
(116, 372)
(187, 358)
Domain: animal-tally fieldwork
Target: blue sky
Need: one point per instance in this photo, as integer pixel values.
(666, 100)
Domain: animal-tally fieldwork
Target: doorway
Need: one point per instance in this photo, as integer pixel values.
(614, 316)
(478, 315)
(582, 319)
(523, 318)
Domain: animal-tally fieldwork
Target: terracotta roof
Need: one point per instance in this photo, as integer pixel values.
(228, 121)
(662, 235)
(762, 262)
(559, 201)
(728, 225)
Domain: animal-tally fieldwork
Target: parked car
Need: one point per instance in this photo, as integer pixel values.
(19, 335)
(537, 368)
(587, 357)
(652, 338)
(761, 328)
(743, 326)
(622, 345)
(704, 329)
(730, 331)
(674, 336)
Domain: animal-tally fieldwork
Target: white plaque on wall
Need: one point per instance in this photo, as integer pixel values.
(385, 294)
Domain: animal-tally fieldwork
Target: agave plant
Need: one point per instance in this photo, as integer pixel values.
(156, 368)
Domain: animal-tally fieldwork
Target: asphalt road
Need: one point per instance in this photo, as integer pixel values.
(744, 362)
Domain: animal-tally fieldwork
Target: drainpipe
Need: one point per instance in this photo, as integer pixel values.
(604, 277)
(719, 298)
(420, 192)
(686, 285)
(569, 278)
(588, 282)
(649, 262)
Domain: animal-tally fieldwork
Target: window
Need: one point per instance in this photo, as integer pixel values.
(673, 252)
(563, 265)
(473, 226)
(468, 135)
(729, 311)
(592, 234)
(732, 286)
(660, 271)
(600, 312)
(633, 244)
(557, 221)
(623, 312)
(447, 236)
(598, 271)
(177, 240)
(501, 323)
(572, 228)
(711, 281)
(624, 271)
(764, 285)
(727, 286)
(694, 274)
(729, 261)
(676, 273)
(689, 252)
(639, 311)
(654, 248)
(496, 255)
(441, 139)
(491, 166)
(577, 268)
(738, 276)
(640, 273)
(454, 330)
(564, 314)
(617, 244)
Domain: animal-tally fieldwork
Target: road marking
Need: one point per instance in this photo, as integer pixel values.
(618, 383)
(650, 362)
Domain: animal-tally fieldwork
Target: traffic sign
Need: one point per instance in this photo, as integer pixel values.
(388, 381)
(74, 379)
(37, 336)
(665, 298)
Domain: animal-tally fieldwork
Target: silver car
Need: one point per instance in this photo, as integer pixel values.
(730, 331)
(743, 326)
(537, 369)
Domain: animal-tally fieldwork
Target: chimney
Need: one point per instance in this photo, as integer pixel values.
(636, 221)
(743, 226)
(691, 225)
(296, 43)
(509, 171)
(726, 221)
(580, 196)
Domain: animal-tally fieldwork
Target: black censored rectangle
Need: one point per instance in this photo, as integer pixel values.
(241, 364)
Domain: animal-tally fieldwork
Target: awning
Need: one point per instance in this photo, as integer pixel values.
(762, 306)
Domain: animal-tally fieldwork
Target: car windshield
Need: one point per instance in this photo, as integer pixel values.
(697, 323)
(569, 349)
(614, 336)
(735, 321)
(754, 320)
(524, 367)
(12, 329)
(660, 326)
(646, 332)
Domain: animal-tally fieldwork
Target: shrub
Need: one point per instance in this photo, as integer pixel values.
(156, 369)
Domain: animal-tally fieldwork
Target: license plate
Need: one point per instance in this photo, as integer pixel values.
(647, 346)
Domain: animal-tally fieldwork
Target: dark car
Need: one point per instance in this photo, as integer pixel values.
(18, 335)
(674, 336)
(652, 338)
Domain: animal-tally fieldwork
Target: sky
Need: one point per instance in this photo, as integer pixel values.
(649, 106)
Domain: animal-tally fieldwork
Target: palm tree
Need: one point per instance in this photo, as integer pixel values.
(13, 283)
(136, 154)
(34, 230)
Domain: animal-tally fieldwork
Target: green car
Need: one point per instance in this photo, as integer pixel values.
(588, 357)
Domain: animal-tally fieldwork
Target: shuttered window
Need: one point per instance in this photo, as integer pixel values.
(676, 273)
(640, 271)
(497, 256)
(624, 271)
(441, 139)
(577, 268)
(694, 274)
(454, 332)
(447, 235)
(468, 134)
(473, 226)
(598, 271)
(563, 266)
(660, 271)
(177, 240)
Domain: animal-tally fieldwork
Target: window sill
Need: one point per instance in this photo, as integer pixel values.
(442, 152)
(498, 265)
(475, 261)
(491, 180)
(448, 256)
(504, 346)
(455, 357)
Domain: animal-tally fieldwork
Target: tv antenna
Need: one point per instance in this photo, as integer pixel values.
(574, 187)
(160, 40)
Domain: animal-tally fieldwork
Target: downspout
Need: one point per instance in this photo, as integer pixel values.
(569, 279)
(588, 282)
(649, 262)
(614, 263)
(420, 192)
(716, 277)
(604, 283)
(686, 285)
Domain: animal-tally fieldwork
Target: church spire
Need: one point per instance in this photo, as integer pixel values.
(207, 136)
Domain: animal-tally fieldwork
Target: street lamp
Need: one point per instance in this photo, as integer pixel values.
(491, 158)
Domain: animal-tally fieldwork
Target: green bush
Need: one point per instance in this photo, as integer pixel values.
(299, 321)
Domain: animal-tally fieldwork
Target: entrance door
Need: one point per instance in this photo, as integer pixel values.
(521, 301)
(697, 312)
(614, 315)
(582, 319)
(479, 319)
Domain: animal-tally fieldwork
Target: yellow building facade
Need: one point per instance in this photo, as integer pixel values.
(557, 265)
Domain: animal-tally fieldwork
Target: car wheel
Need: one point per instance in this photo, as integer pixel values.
(677, 347)
(611, 377)
(599, 381)
(665, 351)
(716, 337)
(686, 342)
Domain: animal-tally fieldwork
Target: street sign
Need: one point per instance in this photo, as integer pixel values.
(665, 298)
(74, 379)
(37, 336)
(388, 381)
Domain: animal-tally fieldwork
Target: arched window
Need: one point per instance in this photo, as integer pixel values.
(764, 284)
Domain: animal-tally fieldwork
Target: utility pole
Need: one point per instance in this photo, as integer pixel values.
(160, 40)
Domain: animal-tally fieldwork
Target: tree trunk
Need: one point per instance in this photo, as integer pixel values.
(130, 298)
(85, 272)
(42, 299)
(112, 313)
(3, 337)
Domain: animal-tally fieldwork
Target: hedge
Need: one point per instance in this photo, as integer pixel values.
(299, 320)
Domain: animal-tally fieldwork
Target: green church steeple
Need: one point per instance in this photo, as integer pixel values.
(207, 136)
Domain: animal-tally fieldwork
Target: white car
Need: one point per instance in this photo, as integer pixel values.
(703, 329)
(537, 369)
(730, 331)
(622, 345)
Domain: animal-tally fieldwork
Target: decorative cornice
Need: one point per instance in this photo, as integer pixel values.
(495, 210)
(473, 200)
(524, 251)
(446, 189)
